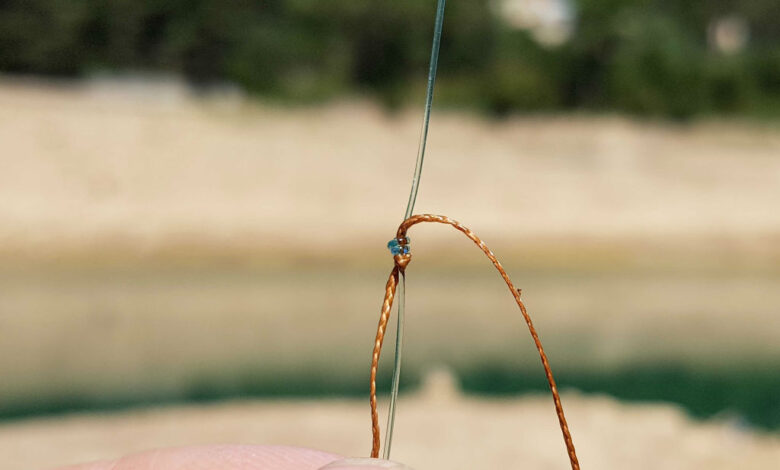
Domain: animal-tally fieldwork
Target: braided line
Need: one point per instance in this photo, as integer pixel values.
(401, 261)
(387, 304)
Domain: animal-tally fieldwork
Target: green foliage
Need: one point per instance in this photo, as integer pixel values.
(649, 57)
(656, 69)
(522, 75)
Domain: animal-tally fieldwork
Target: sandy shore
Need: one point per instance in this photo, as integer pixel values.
(89, 168)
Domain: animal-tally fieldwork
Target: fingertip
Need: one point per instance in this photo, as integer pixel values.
(225, 457)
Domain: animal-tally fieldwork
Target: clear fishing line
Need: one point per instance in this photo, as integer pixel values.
(401, 294)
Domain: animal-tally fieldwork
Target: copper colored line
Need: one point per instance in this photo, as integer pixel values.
(401, 261)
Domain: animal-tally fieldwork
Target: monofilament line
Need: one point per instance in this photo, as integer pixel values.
(434, 63)
(428, 103)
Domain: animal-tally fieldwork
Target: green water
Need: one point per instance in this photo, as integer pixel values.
(749, 396)
(752, 396)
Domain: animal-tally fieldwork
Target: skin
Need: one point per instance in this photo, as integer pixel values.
(228, 457)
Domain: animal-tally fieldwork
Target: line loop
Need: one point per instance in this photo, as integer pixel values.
(401, 261)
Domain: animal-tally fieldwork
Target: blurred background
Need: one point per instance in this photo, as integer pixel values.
(195, 198)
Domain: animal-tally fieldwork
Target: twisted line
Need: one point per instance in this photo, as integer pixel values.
(401, 261)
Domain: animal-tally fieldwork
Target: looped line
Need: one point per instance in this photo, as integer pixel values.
(401, 261)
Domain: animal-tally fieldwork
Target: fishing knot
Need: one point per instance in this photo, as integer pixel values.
(401, 250)
(401, 261)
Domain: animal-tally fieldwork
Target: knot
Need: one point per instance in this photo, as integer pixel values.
(402, 260)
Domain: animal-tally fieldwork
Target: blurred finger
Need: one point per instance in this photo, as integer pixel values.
(219, 458)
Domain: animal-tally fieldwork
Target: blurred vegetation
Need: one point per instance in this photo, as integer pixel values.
(649, 57)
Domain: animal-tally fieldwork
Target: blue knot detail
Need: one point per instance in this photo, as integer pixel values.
(399, 246)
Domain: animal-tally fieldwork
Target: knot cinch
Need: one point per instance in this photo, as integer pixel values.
(401, 251)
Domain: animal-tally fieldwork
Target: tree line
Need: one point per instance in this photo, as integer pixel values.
(647, 57)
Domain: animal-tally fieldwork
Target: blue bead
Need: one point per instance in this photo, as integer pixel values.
(399, 246)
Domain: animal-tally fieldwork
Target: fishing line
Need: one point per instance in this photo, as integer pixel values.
(401, 257)
(428, 102)
(396, 284)
(434, 63)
